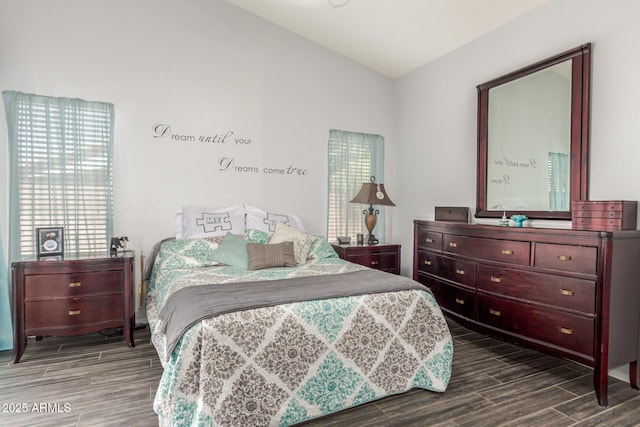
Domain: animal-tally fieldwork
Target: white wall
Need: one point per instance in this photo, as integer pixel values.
(435, 107)
(205, 68)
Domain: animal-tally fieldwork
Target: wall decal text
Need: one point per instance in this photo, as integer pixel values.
(228, 164)
(164, 131)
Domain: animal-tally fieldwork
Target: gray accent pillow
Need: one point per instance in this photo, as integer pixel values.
(270, 255)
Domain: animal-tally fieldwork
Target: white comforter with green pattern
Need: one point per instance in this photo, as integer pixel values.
(281, 365)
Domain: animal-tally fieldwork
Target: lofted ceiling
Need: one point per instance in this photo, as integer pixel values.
(393, 37)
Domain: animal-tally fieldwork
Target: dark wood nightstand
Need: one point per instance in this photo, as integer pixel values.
(383, 256)
(72, 296)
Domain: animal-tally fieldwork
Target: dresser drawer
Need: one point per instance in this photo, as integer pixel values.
(509, 251)
(60, 313)
(71, 284)
(457, 270)
(428, 262)
(430, 240)
(605, 205)
(578, 259)
(572, 332)
(603, 224)
(451, 298)
(598, 214)
(565, 292)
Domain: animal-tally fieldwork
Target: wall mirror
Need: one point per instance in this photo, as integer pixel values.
(533, 138)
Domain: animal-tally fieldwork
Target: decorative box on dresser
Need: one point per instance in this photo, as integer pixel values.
(72, 296)
(383, 256)
(571, 293)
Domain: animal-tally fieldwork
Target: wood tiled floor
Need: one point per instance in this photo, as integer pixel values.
(104, 383)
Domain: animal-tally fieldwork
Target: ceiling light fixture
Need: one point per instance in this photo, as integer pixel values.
(338, 3)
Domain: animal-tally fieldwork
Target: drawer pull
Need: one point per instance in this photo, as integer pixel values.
(507, 252)
(495, 312)
(429, 240)
(496, 279)
(453, 244)
(564, 257)
(375, 262)
(565, 331)
(74, 312)
(567, 292)
(459, 301)
(75, 284)
(427, 262)
(460, 272)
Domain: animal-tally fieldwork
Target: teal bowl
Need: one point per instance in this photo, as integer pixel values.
(518, 220)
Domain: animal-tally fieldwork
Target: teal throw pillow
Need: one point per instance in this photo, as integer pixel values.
(321, 248)
(232, 251)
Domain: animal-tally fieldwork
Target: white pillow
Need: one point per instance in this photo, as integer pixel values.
(179, 228)
(210, 222)
(259, 219)
(302, 242)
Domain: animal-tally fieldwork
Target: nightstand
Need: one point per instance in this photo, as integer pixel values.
(383, 256)
(72, 296)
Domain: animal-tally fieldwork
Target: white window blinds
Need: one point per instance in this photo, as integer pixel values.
(61, 154)
(353, 159)
(558, 181)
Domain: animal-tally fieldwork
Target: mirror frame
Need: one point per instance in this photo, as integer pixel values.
(579, 154)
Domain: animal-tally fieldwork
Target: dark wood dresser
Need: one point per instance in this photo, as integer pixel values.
(383, 256)
(574, 294)
(74, 296)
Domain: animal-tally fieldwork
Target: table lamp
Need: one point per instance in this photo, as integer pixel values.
(372, 193)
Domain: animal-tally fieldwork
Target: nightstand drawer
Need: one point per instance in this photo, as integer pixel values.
(379, 261)
(67, 312)
(71, 284)
(384, 256)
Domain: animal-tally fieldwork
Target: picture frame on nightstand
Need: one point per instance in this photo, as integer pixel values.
(50, 242)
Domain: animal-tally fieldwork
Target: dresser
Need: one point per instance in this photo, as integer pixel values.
(383, 256)
(570, 293)
(73, 296)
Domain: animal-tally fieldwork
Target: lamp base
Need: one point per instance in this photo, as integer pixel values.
(370, 219)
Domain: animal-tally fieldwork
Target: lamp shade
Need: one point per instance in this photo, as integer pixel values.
(373, 193)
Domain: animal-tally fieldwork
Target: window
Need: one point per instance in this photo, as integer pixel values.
(353, 159)
(558, 181)
(61, 154)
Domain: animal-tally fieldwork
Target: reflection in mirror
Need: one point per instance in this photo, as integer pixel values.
(530, 132)
(533, 138)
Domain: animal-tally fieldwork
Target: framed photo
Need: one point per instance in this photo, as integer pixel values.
(50, 241)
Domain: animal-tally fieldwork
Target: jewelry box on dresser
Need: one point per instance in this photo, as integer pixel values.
(570, 293)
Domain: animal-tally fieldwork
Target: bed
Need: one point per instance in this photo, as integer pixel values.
(284, 358)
